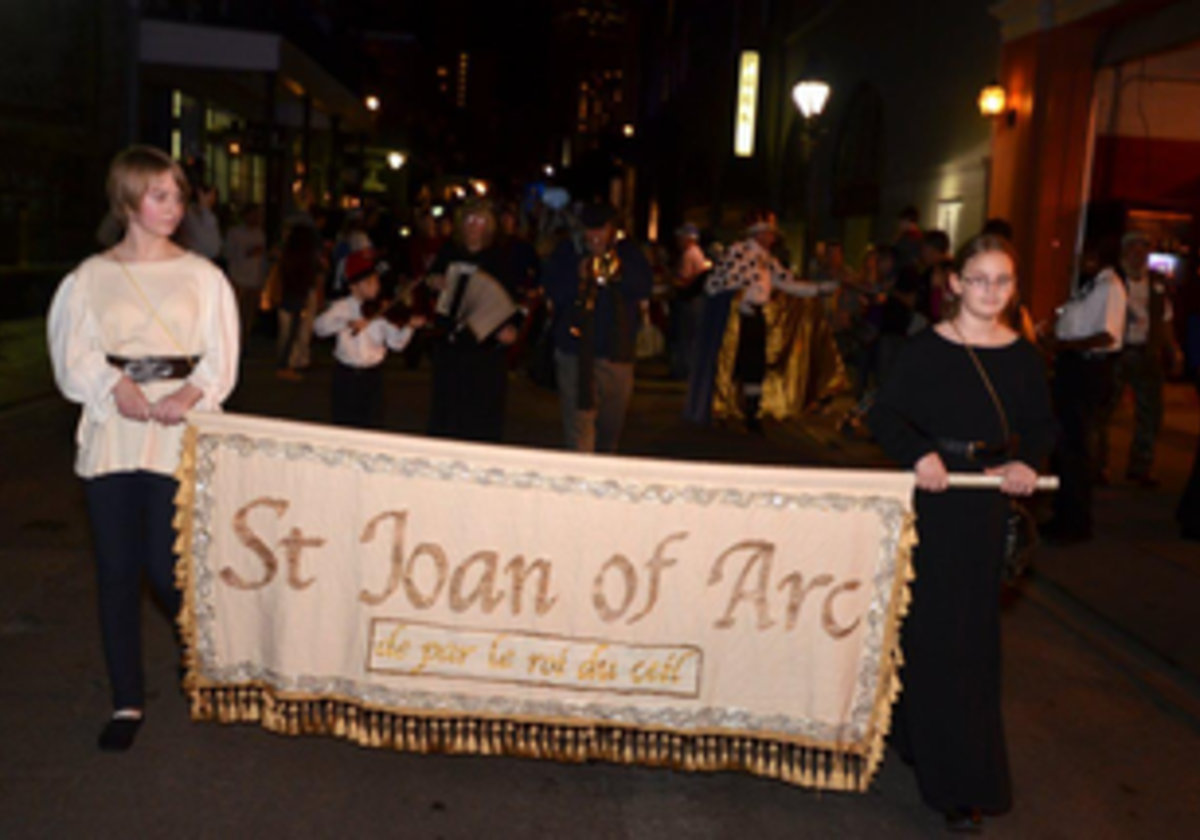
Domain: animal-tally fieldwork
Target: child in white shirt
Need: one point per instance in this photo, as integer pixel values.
(364, 336)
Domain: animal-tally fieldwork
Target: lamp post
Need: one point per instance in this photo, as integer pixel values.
(810, 96)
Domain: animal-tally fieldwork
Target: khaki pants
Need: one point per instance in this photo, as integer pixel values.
(1140, 370)
(295, 332)
(599, 429)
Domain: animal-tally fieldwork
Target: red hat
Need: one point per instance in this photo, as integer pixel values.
(360, 265)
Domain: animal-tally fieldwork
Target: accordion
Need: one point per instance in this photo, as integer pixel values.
(483, 303)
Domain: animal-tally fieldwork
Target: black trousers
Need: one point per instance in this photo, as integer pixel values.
(469, 391)
(1082, 386)
(357, 396)
(750, 364)
(131, 514)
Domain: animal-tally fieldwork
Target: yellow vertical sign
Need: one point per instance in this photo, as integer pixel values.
(746, 105)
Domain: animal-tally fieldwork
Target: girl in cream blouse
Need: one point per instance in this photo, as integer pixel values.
(139, 336)
(99, 313)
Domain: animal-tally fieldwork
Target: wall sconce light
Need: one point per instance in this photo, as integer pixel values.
(993, 102)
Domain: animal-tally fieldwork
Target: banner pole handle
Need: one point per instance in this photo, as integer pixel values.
(978, 481)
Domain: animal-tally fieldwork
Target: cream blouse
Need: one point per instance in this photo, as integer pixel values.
(98, 311)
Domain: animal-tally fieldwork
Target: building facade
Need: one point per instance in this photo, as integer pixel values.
(1101, 134)
(900, 127)
(67, 70)
(260, 95)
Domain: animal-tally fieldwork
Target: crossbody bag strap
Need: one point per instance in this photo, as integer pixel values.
(153, 310)
(987, 383)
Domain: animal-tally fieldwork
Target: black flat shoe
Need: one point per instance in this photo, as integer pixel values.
(964, 821)
(119, 733)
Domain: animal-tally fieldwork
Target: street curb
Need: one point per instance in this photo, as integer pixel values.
(1168, 686)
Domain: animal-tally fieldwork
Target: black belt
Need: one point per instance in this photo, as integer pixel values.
(154, 368)
(973, 450)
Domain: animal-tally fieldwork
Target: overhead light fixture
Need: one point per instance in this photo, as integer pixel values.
(810, 96)
(372, 103)
(396, 159)
(628, 130)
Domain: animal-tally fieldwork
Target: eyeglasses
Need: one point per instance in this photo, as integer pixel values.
(980, 281)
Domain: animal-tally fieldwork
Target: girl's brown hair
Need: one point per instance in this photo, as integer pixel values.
(130, 173)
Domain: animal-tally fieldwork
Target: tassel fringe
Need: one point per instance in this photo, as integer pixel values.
(793, 764)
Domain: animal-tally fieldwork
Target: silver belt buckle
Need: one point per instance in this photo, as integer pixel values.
(142, 371)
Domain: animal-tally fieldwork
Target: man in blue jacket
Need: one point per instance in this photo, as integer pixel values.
(596, 294)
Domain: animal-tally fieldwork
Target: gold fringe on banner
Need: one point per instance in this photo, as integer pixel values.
(804, 766)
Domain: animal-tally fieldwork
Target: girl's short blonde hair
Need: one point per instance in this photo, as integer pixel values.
(130, 173)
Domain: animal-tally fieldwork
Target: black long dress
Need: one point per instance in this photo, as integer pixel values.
(948, 720)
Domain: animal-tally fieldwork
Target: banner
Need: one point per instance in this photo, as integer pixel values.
(424, 595)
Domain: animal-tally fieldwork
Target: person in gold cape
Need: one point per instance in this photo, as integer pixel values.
(776, 351)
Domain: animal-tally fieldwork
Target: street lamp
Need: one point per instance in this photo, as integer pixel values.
(810, 96)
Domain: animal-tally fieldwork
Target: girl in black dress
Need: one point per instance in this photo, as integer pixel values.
(967, 395)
